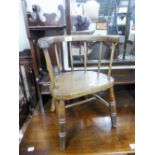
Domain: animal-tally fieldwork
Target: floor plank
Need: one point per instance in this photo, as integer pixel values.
(88, 129)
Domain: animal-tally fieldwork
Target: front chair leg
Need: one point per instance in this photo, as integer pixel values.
(112, 107)
(62, 121)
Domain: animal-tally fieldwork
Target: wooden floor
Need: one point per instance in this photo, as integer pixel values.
(88, 129)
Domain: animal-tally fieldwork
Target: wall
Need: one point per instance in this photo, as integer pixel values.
(23, 40)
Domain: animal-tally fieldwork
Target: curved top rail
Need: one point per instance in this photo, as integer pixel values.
(45, 42)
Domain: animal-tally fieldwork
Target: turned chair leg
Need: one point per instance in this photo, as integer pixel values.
(62, 121)
(112, 107)
(53, 104)
(56, 106)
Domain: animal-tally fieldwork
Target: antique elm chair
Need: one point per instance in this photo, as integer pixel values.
(75, 84)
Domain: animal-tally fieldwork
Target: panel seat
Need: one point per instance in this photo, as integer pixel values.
(75, 84)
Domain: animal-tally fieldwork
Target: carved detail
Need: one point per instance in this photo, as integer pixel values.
(47, 19)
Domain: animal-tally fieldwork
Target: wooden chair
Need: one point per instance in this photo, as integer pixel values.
(74, 84)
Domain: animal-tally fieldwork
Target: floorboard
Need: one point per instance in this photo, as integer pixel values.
(89, 129)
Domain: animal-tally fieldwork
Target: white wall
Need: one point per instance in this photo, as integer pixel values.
(23, 40)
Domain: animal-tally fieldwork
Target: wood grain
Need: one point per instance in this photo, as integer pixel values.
(71, 85)
(45, 42)
(88, 129)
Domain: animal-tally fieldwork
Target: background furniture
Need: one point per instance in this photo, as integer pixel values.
(68, 86)
(111, 13)
(27, 87)
(37, 28)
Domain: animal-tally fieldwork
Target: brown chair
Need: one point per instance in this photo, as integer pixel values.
(75, 84)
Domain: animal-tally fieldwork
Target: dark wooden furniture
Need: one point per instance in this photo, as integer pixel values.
(75, 84)
(36, 28)
(27, 86)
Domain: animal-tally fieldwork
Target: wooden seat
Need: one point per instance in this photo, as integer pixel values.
(74, 84)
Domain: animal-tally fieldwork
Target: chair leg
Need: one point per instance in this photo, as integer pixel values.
(40, 101)
(53, 104)
(112, 107)
(62, 121)
(57, 106)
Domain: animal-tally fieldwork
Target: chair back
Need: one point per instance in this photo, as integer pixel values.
(85, 41)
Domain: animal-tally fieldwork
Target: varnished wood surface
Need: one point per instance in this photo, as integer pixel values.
(121, 79)
(88, 127)
(70, 85)
(45, 42)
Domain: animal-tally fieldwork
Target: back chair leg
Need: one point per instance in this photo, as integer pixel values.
(62, 122)
(112, 107)
(53, 104)
(56, 105)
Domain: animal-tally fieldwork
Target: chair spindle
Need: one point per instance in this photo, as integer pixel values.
(57, 58)
(49, 66)
(100, 56)
(71, 56)
(111, 57)
(85, 56)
